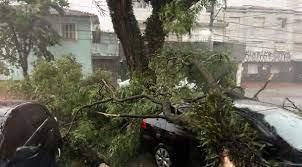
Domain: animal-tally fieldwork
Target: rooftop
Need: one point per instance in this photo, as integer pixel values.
(71, 12)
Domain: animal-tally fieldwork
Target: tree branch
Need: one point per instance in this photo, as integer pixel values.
(110, 88)
(205, 73)
(195, 99)
(106, 101)
(264, 86)
(130, 116)
(122, 100)
(293, 104)
(15, 38)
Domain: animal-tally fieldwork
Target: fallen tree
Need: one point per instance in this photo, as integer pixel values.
(210, 114)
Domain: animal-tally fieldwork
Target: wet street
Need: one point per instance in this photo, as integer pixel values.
(276, 92)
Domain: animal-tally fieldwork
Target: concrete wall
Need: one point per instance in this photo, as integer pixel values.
(108, 45)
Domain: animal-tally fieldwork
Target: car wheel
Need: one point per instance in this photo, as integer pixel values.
(164, 156)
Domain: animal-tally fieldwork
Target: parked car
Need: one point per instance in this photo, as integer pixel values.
(279, 129)
(29, 135)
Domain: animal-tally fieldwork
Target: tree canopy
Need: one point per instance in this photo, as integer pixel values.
(25, 29)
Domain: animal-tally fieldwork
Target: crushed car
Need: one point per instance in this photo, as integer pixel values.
(279, 130)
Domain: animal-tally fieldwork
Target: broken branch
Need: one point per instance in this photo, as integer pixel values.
(108, 86)
(122, 100)
(130, 116)
(110, 100)
(195, 99)
(206, 74)
(264, 86)
(293, 104)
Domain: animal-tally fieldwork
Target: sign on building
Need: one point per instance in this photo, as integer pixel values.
(267, 56)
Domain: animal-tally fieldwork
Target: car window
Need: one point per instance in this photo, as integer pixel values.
(288, 126)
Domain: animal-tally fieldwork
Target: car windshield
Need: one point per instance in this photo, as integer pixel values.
(288, 126)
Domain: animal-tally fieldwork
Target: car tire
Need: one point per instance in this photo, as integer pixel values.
(164, 156)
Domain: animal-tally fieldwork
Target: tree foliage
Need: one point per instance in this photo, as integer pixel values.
(60, 85)
(179, 76)
(25, 29)
(92, 139)
(178, 18)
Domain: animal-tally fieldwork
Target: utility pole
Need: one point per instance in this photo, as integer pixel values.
(211, 24)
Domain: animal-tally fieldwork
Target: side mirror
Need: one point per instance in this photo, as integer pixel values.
(26, 152)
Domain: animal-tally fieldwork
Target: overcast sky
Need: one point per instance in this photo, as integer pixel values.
(106, 25)
(89, 6)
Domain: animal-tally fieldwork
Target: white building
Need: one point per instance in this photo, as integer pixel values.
(270, 29)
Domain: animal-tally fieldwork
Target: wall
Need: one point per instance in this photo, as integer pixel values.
(108, 45)
(80, 48)
(270, 36)
(285, 73)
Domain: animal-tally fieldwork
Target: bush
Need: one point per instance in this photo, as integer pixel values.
(61, 86)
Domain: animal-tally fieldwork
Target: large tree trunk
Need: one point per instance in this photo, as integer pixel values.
(154, 33)
(127, 30)
(137, 49)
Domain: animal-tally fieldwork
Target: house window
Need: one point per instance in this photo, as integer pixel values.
(69, 31)
(96, 36)
(234, 28)
(252, 69)
(283, 22)
(259, 21)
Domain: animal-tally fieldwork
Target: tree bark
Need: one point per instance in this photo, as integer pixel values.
(138, 49)
(127, 30)
(154, 33)
(24, 66)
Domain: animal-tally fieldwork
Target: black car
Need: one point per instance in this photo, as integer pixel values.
(29, 135)
(280, 131)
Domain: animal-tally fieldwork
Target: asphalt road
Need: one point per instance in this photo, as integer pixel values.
(276, 95)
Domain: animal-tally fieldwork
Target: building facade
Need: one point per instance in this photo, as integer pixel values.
(273, 40)
(271, 32)
(106, 53)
